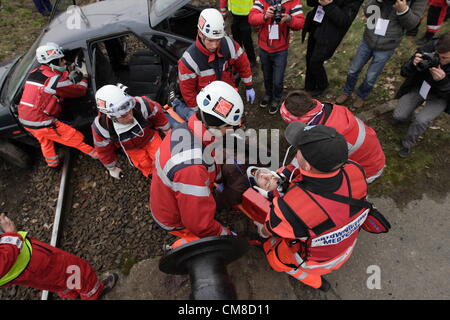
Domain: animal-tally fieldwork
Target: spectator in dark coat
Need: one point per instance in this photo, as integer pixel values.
(327, 25)
(44, 7)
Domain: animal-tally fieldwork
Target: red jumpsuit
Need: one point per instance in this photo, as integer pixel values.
(40, 105)
(181, 194)
(364, 146)
(53, 270)
(140, 142)
(198, 67)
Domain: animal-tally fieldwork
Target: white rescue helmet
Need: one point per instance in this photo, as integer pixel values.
(49, 52)
(113, 101)
(211, 24)
(222, 101)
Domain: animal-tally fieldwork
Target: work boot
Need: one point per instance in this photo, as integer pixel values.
(109, 281)
(325, 286)
(274, 107)
(265, 101)
(342, 98)
(404, 152)
(358, 103)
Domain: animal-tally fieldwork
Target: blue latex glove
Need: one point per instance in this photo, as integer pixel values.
(250, 95)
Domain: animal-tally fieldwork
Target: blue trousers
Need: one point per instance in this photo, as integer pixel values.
(273, 65)
(363, 55)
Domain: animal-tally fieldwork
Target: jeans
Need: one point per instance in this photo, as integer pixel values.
(182, 110)
(404, 111)
(363, 55)
(273, 65)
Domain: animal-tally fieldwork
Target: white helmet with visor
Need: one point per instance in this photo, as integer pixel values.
(114, 101)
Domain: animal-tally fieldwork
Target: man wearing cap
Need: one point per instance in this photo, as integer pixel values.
(214, 56)
(307, 233)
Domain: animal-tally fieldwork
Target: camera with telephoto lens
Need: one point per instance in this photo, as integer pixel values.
(429, 60)
(278, 12)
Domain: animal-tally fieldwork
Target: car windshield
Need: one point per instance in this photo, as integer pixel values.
(21, 71)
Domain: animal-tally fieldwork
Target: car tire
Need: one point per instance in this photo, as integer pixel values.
(14, 155)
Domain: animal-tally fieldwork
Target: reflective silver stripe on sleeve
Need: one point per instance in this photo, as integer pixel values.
(103, 143)
(191, 62)
(199, 191)
(239, 53)
(208, 72)
(192, 154)
(12, 240)
(144, 110)
(258, 5)
(231, 47)
(26, 104)
(65, 84)
(188, 76)
(92, 292)
(247, 80)
(103, 131)
(361, 137)
(165, 127)
(34, 83)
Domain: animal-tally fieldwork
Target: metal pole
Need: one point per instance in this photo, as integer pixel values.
(59, 206)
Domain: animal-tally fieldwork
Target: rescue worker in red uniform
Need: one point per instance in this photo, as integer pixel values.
(363, 144)
(43, 93)
(308, 234)
(214, 56)
(131, 123)
(28, 262)
(181, 194)
(437, 11)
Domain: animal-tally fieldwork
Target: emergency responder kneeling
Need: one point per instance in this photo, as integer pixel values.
(307, 234)
(214, 56)
(181, 194)
(41, 103)
(28, 262)
(128, 122)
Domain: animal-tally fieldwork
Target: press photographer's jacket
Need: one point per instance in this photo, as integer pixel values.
(414, 78)
(256, 18)
(398, 23)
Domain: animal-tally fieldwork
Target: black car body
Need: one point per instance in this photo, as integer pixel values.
(135, 42)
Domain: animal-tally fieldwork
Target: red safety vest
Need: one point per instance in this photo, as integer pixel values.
(362, 141)
(42, 96)
(320, 229)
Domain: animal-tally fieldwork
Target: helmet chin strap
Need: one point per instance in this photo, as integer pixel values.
(58, 68)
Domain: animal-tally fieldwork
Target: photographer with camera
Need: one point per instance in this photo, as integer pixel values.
(274, 19)
(427, 75)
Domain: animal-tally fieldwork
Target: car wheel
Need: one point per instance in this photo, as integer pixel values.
(14, 155)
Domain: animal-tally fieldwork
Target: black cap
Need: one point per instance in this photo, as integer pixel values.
(323, 147)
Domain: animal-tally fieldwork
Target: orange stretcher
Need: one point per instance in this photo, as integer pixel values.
(254, 206)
